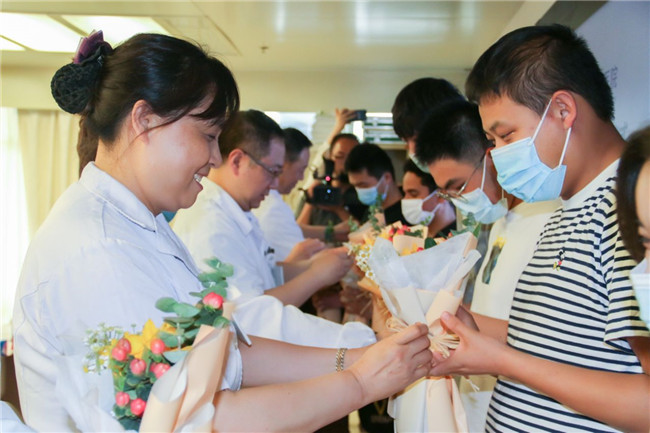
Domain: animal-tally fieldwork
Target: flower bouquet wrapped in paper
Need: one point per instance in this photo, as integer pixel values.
(163, 379)
(418, 287)
(405, 239)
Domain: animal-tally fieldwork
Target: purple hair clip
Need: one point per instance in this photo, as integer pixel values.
(89, 46)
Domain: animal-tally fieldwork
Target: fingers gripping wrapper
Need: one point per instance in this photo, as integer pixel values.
(73, 85)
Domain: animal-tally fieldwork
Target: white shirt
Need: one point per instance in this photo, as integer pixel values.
(100, 256)
(517, 233)
(216, 226)
(278, 224)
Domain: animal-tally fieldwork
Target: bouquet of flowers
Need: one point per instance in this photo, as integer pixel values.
(418, 278)
(155, 370)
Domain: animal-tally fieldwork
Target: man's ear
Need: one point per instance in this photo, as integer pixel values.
(565, 107)
(235, 160)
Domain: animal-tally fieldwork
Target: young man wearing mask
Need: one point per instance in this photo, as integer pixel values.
(412, 106)
(370, 171)
(574, 354)
(420, 194)
(221, 224)
(453, 144)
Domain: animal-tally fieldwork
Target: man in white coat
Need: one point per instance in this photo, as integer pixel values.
(220, 224)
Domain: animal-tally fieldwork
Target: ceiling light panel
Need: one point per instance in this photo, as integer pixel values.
(6, 45)
(38, 32)
(116, 29)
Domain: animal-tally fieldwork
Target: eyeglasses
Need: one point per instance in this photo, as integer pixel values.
(274, 172)
(458, 195)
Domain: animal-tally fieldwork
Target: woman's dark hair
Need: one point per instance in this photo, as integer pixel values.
(251, 131)
(635, 156)
(454, 130)
(529, 64)
(294, 143)
(172, 75)
(425, 178)
(369, 157)
(86, 145)
(414, 102)
(343, 135)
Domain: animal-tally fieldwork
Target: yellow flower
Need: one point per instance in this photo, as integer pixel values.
(142, 340)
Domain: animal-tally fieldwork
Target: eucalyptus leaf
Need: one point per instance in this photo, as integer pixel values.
(170, 340)
(166, 304)
(429, 242)
(186, 310)
(220, 322)
(175, 356)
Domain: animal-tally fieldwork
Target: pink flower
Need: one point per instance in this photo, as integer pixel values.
(214, 300)
(158, 369)
(157, 346)
(122, 399)
(137, 406)
(119, 354)
(124, 344)
(138, 366)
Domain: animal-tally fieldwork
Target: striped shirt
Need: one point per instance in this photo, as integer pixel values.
(573, 304)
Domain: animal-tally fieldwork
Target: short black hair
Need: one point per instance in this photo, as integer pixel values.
(635, 156)
(416, 100)
(251, 131)
(294, 143)
(369, 157)
(453, 131)
(342, 135)
(425, 178)
(529, 64)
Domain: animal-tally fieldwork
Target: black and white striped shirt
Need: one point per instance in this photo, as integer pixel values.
(573, 304)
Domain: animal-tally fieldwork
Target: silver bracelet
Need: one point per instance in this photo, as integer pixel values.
(340, 358)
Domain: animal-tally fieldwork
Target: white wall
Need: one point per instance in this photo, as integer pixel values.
(619, 36)
(313, 91)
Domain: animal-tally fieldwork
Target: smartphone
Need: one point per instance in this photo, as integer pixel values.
(359, 115)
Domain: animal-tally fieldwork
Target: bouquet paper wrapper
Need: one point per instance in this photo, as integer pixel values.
(182, 399)
(419, 288)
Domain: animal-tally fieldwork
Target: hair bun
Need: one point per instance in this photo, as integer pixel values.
(73, 84)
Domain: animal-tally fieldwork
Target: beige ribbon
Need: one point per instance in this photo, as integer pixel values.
(441, 343)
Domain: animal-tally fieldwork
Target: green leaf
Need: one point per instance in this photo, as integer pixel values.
(170, 340)
(130, 423)
(220, 322)
(186, 310)
(175, 356)
(119, 411)
(133, 394)
(429, 242)
(166, 304)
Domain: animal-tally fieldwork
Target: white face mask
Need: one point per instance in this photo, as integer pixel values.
(641, 282)
(415, 214)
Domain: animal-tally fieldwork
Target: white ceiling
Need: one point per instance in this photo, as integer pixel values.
(314, 35)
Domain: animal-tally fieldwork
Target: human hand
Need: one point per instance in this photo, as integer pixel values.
(476, 353)
(394, 363)
(327, 298)
(343, 116)
(330, 265)
(341, 231)
(304, 250)
(356, 301)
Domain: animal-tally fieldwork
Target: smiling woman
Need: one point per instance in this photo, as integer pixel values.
(105, 253)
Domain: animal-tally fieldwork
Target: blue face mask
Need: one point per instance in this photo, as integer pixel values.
(368, 196)
(478, 204)
(419, 164)
(522, 174)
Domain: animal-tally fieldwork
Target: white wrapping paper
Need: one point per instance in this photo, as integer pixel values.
(418, 288)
